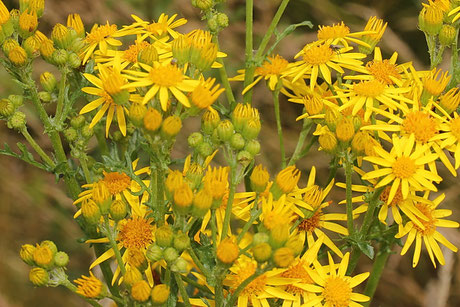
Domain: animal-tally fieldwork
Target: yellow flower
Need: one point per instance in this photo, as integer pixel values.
(204, 94)
(375, 29)
(450, 136)
(318, 58)
(455, 11)
(429, 234)
(272, 70)
(333, 286)
(163, 27)
(112, 96)
(403, 166)
(89, 286)
(340, 34)
(101, 36)
(162, 79)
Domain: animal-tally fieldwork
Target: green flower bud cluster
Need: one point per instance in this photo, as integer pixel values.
(43, 258)
(78, 135)
(9, 112)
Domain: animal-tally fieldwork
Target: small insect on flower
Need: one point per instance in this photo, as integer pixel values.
(335, 48)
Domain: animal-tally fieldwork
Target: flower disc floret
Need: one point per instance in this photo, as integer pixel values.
(337, 292)
(404, 167)
(319, 54)
(383, 71)
(116, 182)
(136, 232)
(421, 124)
(371, 88)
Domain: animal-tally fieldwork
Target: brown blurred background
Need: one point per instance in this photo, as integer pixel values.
(33, 207)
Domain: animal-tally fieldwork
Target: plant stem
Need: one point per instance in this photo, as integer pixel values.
(198, 263)
(224, 80)
(376, 273)
(37, 148)
(214, 229)
(114, 247)
(231, 195)
(348, 173)
(278, 124)
(86, 172)
(182, 290)
(254, 215)
(249, 64)
(196, 284)
(247, 281)
(307, 123)
(61, 97)
(454, 65)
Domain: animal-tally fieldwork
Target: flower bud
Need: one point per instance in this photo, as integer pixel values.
(160, 294)
(204, 149)
(359, 142)
(77, 122)
(345, 129)
(209, 121)
(203, 5)
(74, 21)
(45, 97)
(43, 257)
(260, 237)
(262, 252)
(118, 210)
(27, 253)
(173, 181)
(48, 81)
(28, 23)
(259, 178)
(225, 130)
(140, 291)
(181, 49)
(201, 203)
(132, 276)
(183, 198)
(331, 117)
(70, 134)
(171, 126)
(179, 265)
(137, 113)
(136, 258)
(285, 181)
(237, 141)
(154, 253)
(227, 251)
(181, 242)
(170, 254)
(8, 45)
(17, 100)
(253, 147)
(47, 50)
(32, 46)
(39, 277)
(195, 139)
(87, 132)
(17, 121)
(244, 158)
(148, 55)
(152, 120)
(59, 57)
(430, 20)
(213, 24)
(61, 259)
(295, 244)
(37, 6)
(50, 244)
(90, 211)
(61, 36)
(18, 56)
(164, 236)
(222, 20)
(328, 141)
(74, 61)
(447, 35)
(278, 236)
(283, 257)
(6, 108)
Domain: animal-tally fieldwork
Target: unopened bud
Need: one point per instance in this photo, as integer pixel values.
(262, 252)
(39, 277)
(48, 81)
(61, 259)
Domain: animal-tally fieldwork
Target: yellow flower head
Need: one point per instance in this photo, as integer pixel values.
(101, 36)
(204, 95)
(4, 13)
(89, 286)
(435, 82)
(74, 22)
(374, 31)
(136, 232)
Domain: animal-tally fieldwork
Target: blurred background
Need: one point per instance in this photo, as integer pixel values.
(33, 207)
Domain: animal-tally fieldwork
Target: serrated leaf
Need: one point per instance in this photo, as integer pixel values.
(366, 249)
(287, 31)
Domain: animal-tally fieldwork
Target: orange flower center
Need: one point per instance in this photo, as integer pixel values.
(383, 71)
(131, 53)
(136, 233)
(337, 292)
(166, 76)
(421, 125)
(371, 88)
(311, 223)
(317, 55)
(116, 182)
(429, 225)
(404, 167)
(274, 66)
(297, 272)
(398, 198)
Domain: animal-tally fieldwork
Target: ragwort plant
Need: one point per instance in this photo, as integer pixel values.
(177, 232)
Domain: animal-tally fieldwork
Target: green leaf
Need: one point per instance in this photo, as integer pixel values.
(367, 249)
(286, 32)
(25, 156)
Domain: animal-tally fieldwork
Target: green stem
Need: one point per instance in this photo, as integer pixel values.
(376, 273)
(198, 263)
(219, 293)
(271, 29)
(101, 141)
(84, 166)
(61, 97)
(214, 229)
(307, 124)
(224, 80)
(249, 64)
(114, 247)
(196, 284)
(37, 148)
(247, 281)
(454, 65)
(249, 223)
(231, 195)
(182, 290)
(348, 173)
(278, 124)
